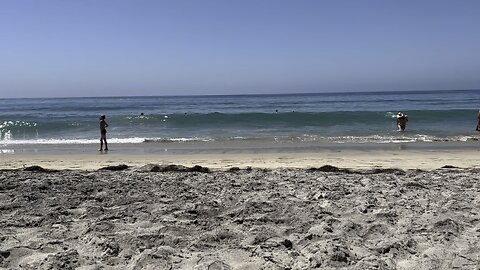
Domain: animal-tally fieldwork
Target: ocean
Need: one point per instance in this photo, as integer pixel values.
(435, 117)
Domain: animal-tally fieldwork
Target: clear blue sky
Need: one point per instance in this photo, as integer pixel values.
(115, 47)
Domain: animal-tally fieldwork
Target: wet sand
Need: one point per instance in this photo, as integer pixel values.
(223, 155)
(347, 158)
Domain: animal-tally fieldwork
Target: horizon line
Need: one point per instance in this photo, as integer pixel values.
(247, 94)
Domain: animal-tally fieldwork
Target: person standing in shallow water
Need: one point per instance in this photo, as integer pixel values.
(103, 133)
(402, 120)
(478, 121)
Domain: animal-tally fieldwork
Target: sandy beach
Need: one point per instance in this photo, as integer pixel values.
(86, 158)
(235, 135)
(329, 210)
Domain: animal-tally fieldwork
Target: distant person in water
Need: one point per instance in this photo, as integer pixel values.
(402, 120)
(478, 121)
(103, 133)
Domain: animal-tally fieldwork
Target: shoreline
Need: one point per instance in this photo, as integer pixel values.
(86, 158)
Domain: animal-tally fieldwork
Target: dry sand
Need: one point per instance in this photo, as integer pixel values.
(171, 217)
(358, 159)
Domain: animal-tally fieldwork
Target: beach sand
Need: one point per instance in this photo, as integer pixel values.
(389, 210)
(364, 158)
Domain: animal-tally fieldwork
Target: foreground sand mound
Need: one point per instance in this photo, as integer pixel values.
(174, 218)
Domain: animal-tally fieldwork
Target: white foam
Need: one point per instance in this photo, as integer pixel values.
(6, 139)
(166, 140)
(69, 141)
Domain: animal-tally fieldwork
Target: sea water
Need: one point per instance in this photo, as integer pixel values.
(434, 117)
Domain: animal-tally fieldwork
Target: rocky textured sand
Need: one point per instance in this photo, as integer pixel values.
(172, 217)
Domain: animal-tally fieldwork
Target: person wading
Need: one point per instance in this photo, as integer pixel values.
(103, 132)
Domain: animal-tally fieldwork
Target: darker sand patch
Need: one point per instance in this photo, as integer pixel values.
(173, 168)
(120, 167)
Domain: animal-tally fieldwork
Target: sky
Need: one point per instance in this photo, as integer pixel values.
(67, 48)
